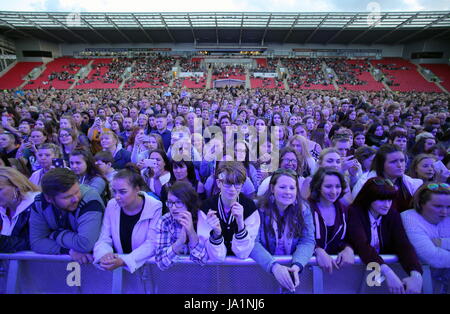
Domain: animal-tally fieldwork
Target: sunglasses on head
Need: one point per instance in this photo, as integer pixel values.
(434, 186)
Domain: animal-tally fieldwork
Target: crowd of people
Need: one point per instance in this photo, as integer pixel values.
(226, 71)
(392, 67)
(114, 72)
(304, 72)
(115, 177)
(154, 71)
(348, 73)
(189, 65)
(61, 76)
(270, 66)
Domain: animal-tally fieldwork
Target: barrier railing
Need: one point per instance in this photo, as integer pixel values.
(28, 272)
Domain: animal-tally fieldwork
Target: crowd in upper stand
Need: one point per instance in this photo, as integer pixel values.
(305, 72)
(227, 70)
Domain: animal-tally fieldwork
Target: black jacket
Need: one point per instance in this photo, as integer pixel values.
(19, 240)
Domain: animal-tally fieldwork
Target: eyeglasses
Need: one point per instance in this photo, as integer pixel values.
(228, 185)
(434, 186)
(289, 161)
(178, 204)
(64, 135)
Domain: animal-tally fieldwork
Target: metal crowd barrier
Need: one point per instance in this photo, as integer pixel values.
(28, 272)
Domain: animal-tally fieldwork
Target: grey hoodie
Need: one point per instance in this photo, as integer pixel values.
(53, 231)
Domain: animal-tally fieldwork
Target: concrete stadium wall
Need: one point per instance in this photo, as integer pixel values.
(428, 46)
(36, 45)
(55, 49)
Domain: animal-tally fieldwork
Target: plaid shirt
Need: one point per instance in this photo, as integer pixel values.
(167, 232)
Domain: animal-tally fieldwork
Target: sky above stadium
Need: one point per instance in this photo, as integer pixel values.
(224, 5)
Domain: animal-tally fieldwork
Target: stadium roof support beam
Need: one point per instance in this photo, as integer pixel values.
(396, 28)
(17, 30)
(217, 29)
(166, 27)
(41, 29)
(192, 29)
(94, 30)
(368, 30)
(342, 29)
(265, 31)
(425, 28)
(292, 28)
(142, 28)
(67, 29)
(317, 28)
(117, 29)
(242, 30)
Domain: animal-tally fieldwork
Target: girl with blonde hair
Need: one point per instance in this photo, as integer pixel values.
(307, 163)
(17, 195)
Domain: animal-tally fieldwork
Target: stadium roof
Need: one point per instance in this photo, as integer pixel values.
(230, 27)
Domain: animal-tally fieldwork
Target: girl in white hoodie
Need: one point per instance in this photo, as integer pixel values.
(129, 225)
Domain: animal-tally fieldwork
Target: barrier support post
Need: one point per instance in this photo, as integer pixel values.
(427, 280)
(317, 280)
(117, 281)
(13, 276)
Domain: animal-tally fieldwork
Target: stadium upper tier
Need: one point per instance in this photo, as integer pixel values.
(230, 27)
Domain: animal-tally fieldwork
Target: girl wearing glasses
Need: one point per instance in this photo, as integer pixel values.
(428, 228)
(374, 229)
(129, 224)
(330, 218)
(289, 159)
(67, 122)
(68, 141)
(176, 232)
(286, 229)
(229, 219)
